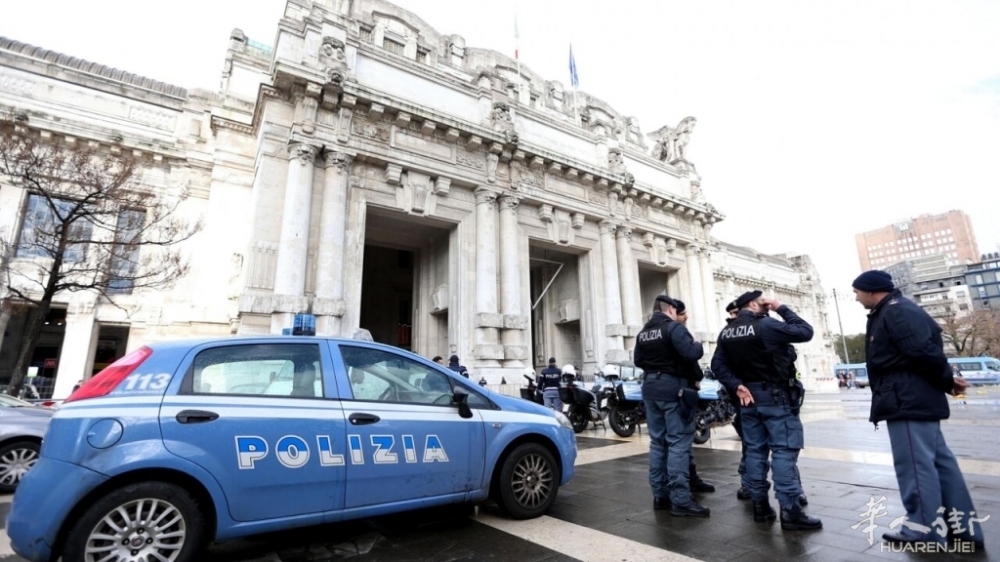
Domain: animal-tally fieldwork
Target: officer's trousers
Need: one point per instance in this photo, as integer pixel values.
(773, 429)
(670, 439)
(929, 479)
(550, 397)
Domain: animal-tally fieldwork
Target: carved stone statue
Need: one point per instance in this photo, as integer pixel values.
(681, 136)
(501, 114)
(616, 163)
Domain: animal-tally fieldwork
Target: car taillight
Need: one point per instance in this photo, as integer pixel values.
(111, 376)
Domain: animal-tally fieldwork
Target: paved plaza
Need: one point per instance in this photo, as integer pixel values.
(605, 513)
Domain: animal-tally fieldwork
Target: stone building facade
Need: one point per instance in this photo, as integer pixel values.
(376, 173)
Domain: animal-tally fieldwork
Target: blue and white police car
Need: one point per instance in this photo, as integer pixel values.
(180, 443)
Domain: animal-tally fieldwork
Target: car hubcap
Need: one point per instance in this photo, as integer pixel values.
(532, 481)
(15, 464)
(139, 531)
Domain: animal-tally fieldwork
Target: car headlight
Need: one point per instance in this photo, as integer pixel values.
(563, 420)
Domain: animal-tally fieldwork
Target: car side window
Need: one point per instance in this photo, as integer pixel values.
(969, 366)
(382, 376)
(286, 370)
(993, 366)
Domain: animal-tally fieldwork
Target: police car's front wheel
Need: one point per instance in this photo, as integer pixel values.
(529, 480)
(143, 521)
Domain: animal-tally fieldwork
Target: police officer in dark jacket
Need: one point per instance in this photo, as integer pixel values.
(697, 484)
(753, 361)
(909, 376)
(665, 351)
(744, 492)
(454, 365)
(549, 381)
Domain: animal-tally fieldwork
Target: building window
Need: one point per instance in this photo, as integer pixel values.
(366, 35)
(40, 232)
(125, 254)
(393, 46)
(422, 57)
(979, 279)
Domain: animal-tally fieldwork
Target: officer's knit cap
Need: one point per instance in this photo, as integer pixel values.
(874, 281)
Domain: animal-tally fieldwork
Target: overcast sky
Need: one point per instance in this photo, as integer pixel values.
(816, 120)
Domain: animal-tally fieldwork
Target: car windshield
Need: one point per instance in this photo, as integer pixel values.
(11, 402)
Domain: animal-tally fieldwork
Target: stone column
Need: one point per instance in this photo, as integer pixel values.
(293, 244)
(613, 330)
(628, 271)
(329, 304)
(487, 350)
(711, 314)
(514, 321)
(696, 299)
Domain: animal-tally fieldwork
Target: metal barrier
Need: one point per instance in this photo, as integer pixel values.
(34, 388)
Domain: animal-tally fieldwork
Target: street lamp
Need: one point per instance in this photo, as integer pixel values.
(843, 340)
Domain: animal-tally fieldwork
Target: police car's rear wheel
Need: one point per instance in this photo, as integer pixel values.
(529, 480)
(145, 521)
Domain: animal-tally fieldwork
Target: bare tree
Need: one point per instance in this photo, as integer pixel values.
(974, 334)
(89, 225)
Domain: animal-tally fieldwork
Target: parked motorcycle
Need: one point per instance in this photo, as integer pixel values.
(604, 389)
(626, 408)
(715, 409)
(581, 405)
(532, 393)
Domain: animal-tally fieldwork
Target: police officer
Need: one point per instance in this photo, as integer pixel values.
(752, 360)
(549, 381)
(744, 492)
(697, 484)
(665, 351)
(454, 365)
(909, 376)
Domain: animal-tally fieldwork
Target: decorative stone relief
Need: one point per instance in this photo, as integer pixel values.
(378, 132)
(333, 59)
(149, 117)
(442, 186)
(491, 167)
(16, 85)
(616, 163)
(344, 126)
(474, 160)
(418, 187)
(629, 203)
(522, 177)
(613, 204)
(578, 220)
(568, 311)
(486, 197)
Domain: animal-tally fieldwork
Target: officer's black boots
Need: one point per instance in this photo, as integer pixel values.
(697, 484)
(661, 503)
(795, 519)
(743, 493)
(762, 512)
(803, 500)
(689, 509)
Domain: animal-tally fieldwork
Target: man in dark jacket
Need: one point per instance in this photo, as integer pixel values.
(909, 377)
(455, 366)
(753, 361)
(665, 351)
(697, 484)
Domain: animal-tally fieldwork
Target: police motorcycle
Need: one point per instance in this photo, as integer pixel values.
(531, 392)
(580, 404)
(604, 389)
(715, 409)
(626, 410)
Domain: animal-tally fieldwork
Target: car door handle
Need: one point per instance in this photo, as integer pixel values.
(363, 419)
(196, 416)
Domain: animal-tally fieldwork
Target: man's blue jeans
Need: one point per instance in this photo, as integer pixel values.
(550, 396)
(670, 439)
(773, 428)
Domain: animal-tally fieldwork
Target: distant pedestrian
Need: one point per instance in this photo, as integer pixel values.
(454, 365)
(909, 376)
(439, 360)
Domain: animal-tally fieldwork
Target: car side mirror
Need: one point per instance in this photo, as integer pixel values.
(462, 400)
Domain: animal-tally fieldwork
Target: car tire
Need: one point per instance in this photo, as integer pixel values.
(15, 461)
(529, 481)
(141, 502)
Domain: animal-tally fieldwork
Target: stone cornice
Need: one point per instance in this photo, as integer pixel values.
(16, 48)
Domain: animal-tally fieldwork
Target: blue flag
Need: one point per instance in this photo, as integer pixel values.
(574, 80)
